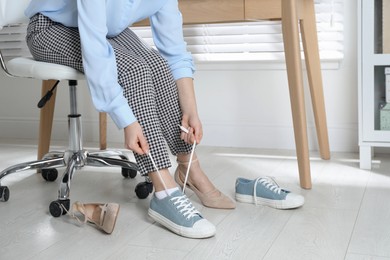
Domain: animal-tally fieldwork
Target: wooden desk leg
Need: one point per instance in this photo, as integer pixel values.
(295, 82)
(103, 130)
(313, 65)
(46, 119)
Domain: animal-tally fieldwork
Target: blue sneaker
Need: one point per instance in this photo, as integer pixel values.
(177, 213)
(265, 191)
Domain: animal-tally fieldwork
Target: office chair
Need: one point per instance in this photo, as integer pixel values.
(75, 157)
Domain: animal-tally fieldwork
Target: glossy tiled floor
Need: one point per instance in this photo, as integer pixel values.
(346, 214)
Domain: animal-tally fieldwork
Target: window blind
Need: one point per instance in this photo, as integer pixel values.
(259, 40)
(12, 41)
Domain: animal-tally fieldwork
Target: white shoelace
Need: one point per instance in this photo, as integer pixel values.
(185, 207)
(269, 183)
(189, 166)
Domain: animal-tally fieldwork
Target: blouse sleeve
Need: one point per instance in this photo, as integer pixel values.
(167, 29)
(100, 64)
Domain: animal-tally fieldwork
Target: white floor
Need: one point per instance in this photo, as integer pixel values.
(346, 214)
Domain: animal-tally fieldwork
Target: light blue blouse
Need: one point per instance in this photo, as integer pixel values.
(99, 19)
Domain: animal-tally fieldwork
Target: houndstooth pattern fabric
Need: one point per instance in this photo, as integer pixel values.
(146, 80)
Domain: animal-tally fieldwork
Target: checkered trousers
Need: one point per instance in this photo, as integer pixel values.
(146, 80)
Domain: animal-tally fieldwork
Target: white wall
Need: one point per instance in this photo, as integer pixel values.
(240, 104)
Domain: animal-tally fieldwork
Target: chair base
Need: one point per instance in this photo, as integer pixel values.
(74, 158)
(72, 161)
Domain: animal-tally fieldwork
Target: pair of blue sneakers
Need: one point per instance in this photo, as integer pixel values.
(177, 213)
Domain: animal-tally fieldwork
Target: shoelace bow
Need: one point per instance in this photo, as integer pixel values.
(267, 182)
(185, 207)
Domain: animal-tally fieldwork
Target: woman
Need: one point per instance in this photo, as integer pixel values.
(146, 92)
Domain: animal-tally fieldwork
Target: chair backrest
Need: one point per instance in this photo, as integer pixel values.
(12, 12)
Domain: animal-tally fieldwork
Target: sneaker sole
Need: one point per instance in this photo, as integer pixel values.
(180, 230)
(277, 204)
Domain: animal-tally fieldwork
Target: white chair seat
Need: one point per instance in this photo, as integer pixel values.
(30, 68)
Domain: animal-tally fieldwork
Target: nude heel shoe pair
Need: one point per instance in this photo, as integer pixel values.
(208, 199)
(102, 215)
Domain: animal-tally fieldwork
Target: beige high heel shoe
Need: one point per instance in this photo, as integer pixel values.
(219, 202)
(103, 215)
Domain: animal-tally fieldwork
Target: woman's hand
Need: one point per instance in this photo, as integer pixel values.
(135, 139)
(194, 129)
(190, 119)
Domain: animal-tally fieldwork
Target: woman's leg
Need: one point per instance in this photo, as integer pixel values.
(135, 76)
(167, 104)
(150, 77)
(166, 94)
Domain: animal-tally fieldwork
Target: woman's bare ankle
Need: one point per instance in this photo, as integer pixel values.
(165, 182)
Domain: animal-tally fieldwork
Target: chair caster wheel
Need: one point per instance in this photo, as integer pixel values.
(59, 207)
(129, 173)
(143, 189)
(49, 174)
(4, 193)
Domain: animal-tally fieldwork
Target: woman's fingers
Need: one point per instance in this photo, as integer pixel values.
(137, 149)
(135, 139)
(187, 134)
(144, 145)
